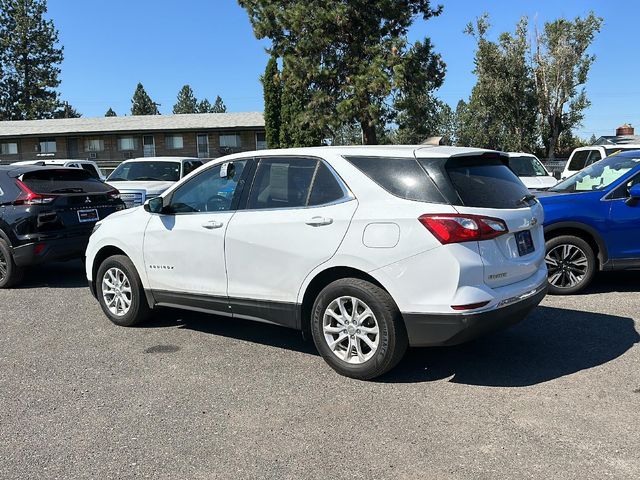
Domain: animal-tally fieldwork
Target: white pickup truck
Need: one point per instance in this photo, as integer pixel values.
(139, 179)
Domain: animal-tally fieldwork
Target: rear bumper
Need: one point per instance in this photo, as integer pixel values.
(451, 329)
(50, 250)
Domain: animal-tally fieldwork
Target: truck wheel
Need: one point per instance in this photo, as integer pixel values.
(358, 329)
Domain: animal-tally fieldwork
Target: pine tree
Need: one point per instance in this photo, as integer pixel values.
(272, 88)
(218, 106)
(110, 113)
(186, 101)
(30, 59)
(141, 103)
(66, 111)
(204, 106)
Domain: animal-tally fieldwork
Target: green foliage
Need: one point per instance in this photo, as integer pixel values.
(110, 113)
(272, 90)
(502, 111)
(29, 61)
(561, 66)
(186, 101)
(218, 106)
(340, 61)
(204, 106)
(66, 111)
(141, 103)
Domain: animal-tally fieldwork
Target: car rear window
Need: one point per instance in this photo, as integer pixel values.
(402, 177)
(72, 180)
(485, 183)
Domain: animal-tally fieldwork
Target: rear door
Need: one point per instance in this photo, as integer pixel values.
(486, 186)
(297, 214)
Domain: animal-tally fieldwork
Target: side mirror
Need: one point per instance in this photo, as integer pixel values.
(154, 205)
(634, 194)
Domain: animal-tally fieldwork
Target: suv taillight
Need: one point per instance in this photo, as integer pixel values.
(28, 197)
(457, 228)
(113, 194)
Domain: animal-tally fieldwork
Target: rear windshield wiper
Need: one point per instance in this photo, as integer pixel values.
(526, 200)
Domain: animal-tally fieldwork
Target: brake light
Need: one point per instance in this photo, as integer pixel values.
(458, 228)
(29, 197)
(470, 306)
(113, 194)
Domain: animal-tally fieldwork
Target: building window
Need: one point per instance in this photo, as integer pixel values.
(261, 141)
(173, 142)
(203, 145)
(10, 148)
(94, 145)
(231, 140)
(48, 145)
(127, 143)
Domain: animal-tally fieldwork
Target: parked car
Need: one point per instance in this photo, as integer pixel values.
(88, 165)
(47, 214)
(592, 222)
(366, 249)
(140, 179)
(584, 156)
(531, 170)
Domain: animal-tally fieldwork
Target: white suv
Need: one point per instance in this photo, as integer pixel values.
(368, 249)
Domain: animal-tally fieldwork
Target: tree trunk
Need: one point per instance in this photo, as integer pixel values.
(553, 138)
(369, 136)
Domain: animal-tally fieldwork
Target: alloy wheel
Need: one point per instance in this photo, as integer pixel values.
(116, 291)
(3, 267)
(568, 265)
(351, 330)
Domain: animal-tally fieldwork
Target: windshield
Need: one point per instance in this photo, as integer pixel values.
(146, 171)
(526, 166)
(599, 175)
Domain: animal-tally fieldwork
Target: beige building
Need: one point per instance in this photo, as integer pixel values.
(110, 140)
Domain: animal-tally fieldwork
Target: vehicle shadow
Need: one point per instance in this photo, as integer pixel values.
(617, 281)
(55, 275)
(236, 328)
(549, 344)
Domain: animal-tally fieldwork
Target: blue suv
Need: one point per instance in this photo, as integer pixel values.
(592, 222)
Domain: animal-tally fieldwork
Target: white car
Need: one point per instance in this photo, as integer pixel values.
(531, 170)
(88, 165)
(367, 249)
(140, 179)
(584, 156)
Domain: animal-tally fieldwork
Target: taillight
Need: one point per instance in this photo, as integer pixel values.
(113, 194)
(457, 228)
(28, 197)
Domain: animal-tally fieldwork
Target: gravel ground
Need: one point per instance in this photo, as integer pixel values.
(197, 396)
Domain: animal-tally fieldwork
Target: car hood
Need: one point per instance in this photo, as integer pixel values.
(543, 181)
(152, 188)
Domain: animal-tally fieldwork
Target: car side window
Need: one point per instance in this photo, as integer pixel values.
(282, 183)
(594, 156)
(326, 188)
(190, 166)
(207, 191)
(579, 160)
(91, 169)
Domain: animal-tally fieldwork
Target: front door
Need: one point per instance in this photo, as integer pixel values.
(623, 230)
(203, 145)
(149, 146)
(72, 147)
(184, 248)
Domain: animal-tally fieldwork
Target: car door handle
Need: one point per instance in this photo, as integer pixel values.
(319, 221)
(210, 225)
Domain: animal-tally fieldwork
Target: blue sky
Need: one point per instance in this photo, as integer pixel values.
(110, 45)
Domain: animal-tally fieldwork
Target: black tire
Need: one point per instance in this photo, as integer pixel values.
(392, 340)
(139, 309)
(10, 273)
(561, 269)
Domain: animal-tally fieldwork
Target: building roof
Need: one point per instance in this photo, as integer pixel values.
(618, 140)
(194, 121)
